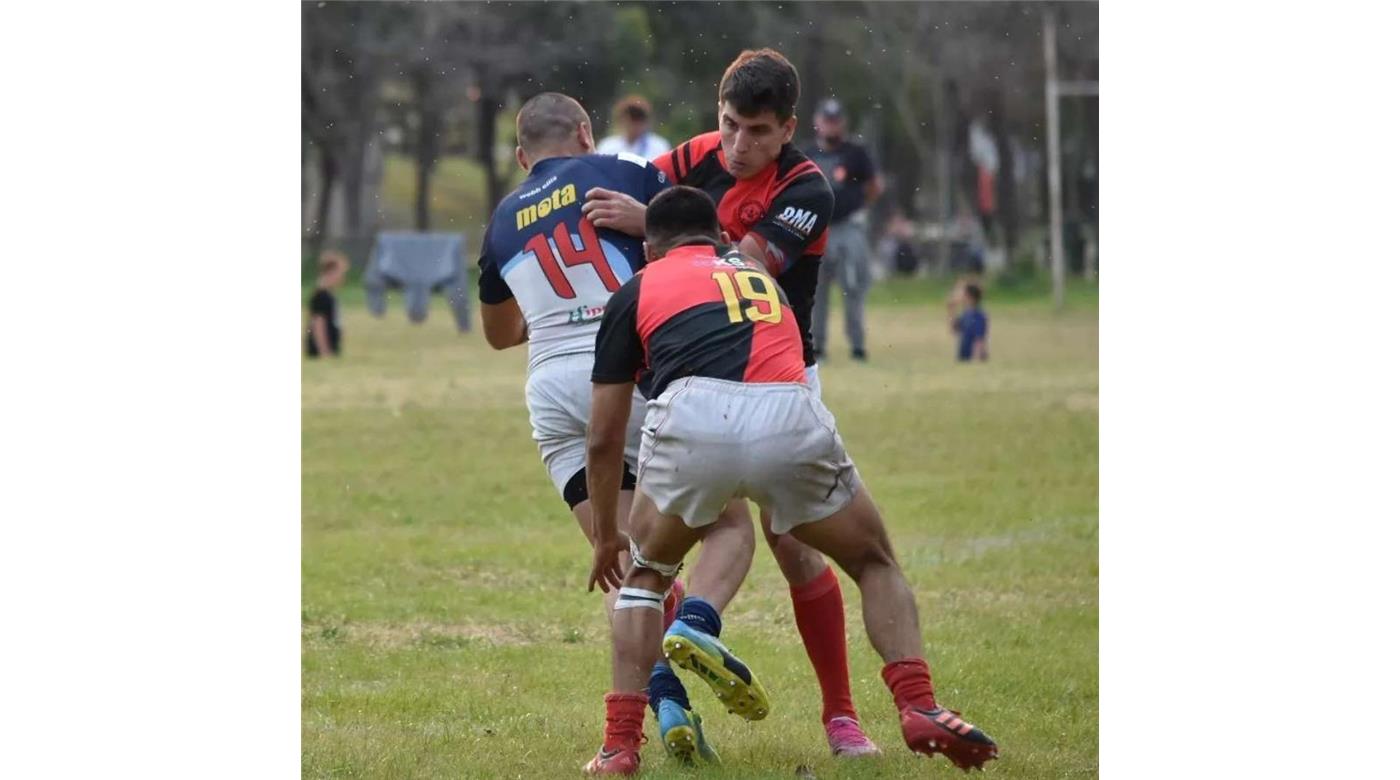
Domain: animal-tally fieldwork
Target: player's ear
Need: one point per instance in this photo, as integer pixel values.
(522, 159)
(585, 137)
(789, 128)
(646, 252)
(724, 237)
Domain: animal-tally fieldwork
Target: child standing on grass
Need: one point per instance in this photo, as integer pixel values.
(971, 326)
(323, 326)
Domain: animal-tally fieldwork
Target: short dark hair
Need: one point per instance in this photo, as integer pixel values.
(634, 107)
(678, 212)
(974, 292)
(547, 118)
(761, 79)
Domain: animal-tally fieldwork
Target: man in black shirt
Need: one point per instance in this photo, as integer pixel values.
(323, 327)
(855, 183)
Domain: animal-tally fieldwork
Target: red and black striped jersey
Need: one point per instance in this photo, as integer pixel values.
(698, 312)
(788, 203)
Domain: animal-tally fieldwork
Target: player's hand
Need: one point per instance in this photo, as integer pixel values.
(616, 210)
(607, 572)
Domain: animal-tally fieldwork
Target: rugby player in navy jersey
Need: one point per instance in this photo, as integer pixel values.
(546, 274)
(776, 204)
(713, 339)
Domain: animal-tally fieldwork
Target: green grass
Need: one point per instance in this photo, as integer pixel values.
(445, 627)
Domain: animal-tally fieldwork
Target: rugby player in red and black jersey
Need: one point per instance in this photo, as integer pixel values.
(776, 204)
(714, 342)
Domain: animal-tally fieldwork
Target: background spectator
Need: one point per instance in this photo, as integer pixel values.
(632, 118)
(323, 326)
(897, 247)
(971, 326)
(856, 183)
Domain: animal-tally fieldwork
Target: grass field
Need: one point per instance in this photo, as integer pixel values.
(445, 627)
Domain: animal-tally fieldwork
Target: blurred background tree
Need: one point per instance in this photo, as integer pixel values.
(408, 108)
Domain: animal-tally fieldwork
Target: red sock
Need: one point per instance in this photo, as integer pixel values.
(624, 721)
(908, 679)
(821, 619)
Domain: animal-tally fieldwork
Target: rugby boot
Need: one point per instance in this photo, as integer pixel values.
(941, 730)
(615, 761)
(727, 676)
(847, 740)
(682, 734)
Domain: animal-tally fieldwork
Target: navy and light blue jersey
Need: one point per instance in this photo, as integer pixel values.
(561, 271)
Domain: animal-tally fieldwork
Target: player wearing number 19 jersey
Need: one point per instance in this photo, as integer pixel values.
(731, 414)
(776, 205)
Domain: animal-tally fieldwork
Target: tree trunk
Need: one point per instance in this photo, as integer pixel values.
(426, 149)
(947, 128)
(813, 77)
(354, 176)
(1007, 210)
(330, 169)
(487, 108)
(422, 218)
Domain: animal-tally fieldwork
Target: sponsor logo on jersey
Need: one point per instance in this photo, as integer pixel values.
(584, 314)
(800, 220)
(556, 200)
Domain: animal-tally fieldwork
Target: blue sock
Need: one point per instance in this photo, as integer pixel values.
(699, 615)
(664, 684)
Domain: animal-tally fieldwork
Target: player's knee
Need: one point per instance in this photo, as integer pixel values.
(788, 551)
(641, 578)
(868, 557)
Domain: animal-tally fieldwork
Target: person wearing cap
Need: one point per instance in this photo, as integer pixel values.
(855, 183)
(632, 116)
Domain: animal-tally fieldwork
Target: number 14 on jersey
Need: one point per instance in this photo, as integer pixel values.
(569, 255)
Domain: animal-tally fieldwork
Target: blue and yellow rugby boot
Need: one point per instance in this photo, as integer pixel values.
(689, 646)
(682, 734)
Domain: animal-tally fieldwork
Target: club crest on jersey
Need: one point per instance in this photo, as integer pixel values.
(750, 212)
(556, 200)
(800, 220)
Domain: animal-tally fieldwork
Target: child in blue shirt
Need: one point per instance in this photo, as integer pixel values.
(971, 326)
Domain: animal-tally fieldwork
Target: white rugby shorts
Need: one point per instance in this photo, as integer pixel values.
(706, 441)
(559, 394)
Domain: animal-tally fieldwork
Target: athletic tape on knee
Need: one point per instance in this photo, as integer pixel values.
(631, 598)
(664, 569)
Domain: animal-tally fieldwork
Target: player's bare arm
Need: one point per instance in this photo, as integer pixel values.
(503, 324)
(756, 248)
(616, 210)
(607, 436)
